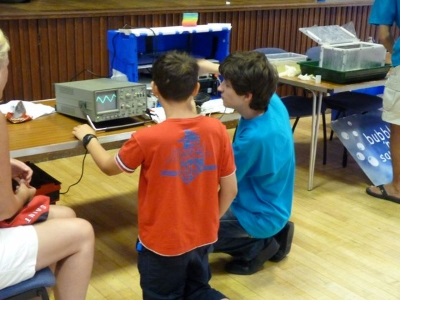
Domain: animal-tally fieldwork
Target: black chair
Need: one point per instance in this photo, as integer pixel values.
(313, 53)
(301, 106)
(34, 288)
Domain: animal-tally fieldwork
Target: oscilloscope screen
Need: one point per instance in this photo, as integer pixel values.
(106, 101)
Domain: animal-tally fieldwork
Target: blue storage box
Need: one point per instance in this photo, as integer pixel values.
(133, 49)
(377, 90)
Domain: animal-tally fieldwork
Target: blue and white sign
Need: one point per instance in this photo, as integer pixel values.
(367, 139)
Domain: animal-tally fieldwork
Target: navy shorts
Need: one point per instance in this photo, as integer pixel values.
(185, 276)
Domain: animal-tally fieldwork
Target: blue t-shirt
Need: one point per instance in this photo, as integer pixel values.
(265, 160)
(387, 12)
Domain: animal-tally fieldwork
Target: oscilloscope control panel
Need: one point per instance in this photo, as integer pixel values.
(101, 99)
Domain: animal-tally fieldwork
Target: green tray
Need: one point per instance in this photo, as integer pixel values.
(344, 77)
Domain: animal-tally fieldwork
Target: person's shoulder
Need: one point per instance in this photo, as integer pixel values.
(210, 120)
(255, 129)
(277, 105)
(146, 131)
(275, 98)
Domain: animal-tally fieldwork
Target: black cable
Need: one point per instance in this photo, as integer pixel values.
(85, 70)
(154, 45)
(80, 178)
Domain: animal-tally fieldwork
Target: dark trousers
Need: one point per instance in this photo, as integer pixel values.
(235, 241)
(176, 277)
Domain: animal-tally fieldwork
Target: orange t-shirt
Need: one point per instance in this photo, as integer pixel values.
(182, 161)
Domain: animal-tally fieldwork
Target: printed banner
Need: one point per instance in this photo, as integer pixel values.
(367, 139)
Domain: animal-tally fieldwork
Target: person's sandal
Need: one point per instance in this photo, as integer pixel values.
(383, 194)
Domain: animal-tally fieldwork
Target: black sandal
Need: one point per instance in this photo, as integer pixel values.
(383, 194)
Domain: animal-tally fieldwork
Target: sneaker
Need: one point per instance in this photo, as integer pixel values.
(250, 267)
(284, 238)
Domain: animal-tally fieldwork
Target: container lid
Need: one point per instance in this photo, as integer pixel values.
(286, 56)
(332, 34)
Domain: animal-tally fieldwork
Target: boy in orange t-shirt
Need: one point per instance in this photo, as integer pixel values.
(187, 182)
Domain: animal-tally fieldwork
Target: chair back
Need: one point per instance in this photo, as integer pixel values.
(313, 53)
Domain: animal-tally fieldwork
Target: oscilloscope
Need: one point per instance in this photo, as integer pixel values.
(100, 100)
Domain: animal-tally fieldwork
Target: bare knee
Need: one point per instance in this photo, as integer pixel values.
(62, 238)
(87, 230)
(84, 232)
(57, 211)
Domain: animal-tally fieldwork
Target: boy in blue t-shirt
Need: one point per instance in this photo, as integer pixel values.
(256, 227)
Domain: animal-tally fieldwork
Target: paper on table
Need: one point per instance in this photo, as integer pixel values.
(215, 106)
(211, 106)
(289, 71)
(157, 114)
(34, 110)
(306, 77)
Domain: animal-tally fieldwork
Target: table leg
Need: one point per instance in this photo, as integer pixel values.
(317, 98)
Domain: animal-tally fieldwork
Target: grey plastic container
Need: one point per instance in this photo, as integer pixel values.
(280, 58)
(343, 51)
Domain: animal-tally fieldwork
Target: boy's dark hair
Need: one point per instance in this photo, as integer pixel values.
(176, 75)
(14, 185)
(251, 72)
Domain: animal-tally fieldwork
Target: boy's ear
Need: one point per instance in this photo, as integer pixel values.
(196, 90)
(248, 97)
(154, 89)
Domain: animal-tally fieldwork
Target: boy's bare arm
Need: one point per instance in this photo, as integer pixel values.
(206, 66)
(103, 159)
(227, 192)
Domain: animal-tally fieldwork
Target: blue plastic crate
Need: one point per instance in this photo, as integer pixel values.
(377, 90)
(129, 52)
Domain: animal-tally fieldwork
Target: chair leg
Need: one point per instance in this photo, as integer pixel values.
(294, 124)
(323, 115)
(345, 158)
(336, 117)
(344, 161)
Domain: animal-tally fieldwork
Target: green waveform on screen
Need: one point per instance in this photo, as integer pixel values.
(106, 98)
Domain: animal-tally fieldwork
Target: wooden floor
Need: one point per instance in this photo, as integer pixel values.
(346, 244)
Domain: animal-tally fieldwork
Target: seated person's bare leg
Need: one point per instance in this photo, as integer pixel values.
(67, 243)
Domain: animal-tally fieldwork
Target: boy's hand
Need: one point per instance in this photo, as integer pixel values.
(81, 130)
(24, 192)
(20, 171)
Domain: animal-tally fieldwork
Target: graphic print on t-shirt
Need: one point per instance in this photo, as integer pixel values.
(191, 157)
